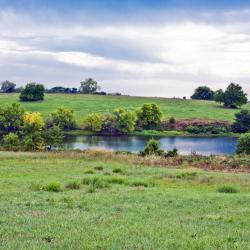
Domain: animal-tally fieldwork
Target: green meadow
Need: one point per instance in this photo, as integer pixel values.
(73, 200)
(85, 104)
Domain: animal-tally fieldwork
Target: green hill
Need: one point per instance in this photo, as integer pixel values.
(84, 104)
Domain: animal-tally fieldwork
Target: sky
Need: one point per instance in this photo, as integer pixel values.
(143, 48)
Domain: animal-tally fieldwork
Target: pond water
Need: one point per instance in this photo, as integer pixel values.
(185, 145)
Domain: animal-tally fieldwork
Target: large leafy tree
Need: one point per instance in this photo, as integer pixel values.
(64, 118)
(32, 92)
(203, 93)
(89, 86)
(234, 96)
(149, 116)
(7, 86)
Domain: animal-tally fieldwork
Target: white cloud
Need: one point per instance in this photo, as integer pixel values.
(180, 55)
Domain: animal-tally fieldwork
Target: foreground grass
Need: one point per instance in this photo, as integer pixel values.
(80, 201)
(85, 104)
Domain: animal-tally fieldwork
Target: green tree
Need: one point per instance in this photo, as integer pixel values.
(234, 96)
(32, 92)
(89, 86)
(149, 116)
(242, 122)
(203, 93)
(152, 148)
(11, 142)
(53, 137)
(11, 117)
(243, 146)
(7, 86)
(64, 118)
(219, 96)
(125, 120)
(33, 131)
(94, 122)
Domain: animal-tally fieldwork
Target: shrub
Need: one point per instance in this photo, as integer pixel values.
(243, 146)
(242, 122)
(11, 142)
(53, 137)
(149, 116)
(171, 153)
(117, 170)
(94, 122)
(32, 92)
(227, 189)
(11, 117)
(152, 148)
(73, 185)
(64, 118)
(52, 187)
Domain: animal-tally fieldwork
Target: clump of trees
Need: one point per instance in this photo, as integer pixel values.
(8, 87)
(121, 121)
(232, 97)
(32, 92)
(203, 93)
(59, 89)
(29, 131)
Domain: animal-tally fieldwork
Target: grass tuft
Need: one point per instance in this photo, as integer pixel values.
(117, 170)
(52, 187)
(89, 171)
(227, 189)
(99, 168)
(73, 185)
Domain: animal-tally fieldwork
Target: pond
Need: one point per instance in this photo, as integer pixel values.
(185, 145)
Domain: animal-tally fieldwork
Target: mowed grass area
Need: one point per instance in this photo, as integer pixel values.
(103, 203)
(85, 104)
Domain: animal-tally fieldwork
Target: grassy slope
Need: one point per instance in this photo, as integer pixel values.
(84, 104)
(174, 214)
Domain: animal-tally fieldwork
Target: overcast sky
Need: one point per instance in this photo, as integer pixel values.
(144, 47)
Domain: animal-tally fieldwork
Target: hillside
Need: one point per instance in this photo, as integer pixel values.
(84, 104)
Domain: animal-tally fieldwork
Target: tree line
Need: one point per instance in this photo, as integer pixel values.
(232, 97)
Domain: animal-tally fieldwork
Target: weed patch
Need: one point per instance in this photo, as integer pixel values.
(52, 187)
(227, 189)
(73, 185)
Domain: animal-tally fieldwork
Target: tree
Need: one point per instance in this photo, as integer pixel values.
(11, 117)
(11, 142)
(203, 93)
(64, 118)
(32, 131)
(152, 148)
(89, 86)
(242, 122)
(243, 146)
(94, 122)
(149, 116)
(219, 96)
(125, 120)
(53, 137)
(8, 87)
(234, 96)
(32, 92)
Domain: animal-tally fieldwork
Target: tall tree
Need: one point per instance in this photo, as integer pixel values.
(7, 86)
(89, 86)
(203, 93)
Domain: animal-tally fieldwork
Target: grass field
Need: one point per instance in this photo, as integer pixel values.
(112, 204)
(85, 104)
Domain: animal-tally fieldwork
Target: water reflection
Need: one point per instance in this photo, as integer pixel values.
(185, 145)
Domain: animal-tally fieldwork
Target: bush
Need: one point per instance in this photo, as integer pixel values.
(171, 153)
(73, 185)
(11, 118)
(64, 118)
(152, 148)
(215, 128)
(94, 122)
(11, 142)
(52, 187)
(149, 116)
(243, 146)
(227, 189)
(242, 122)
(53, 137)
(32, 92)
